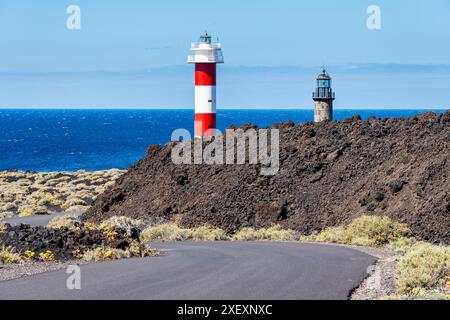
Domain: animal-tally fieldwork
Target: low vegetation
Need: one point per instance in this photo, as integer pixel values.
(63, 222)
(108, 253)
(99, 254)
(423, 269)
(372, 231)
(46, 256)
(9, 255)
(274, 233)
(31, 193)
(124, 222)
(172, 232)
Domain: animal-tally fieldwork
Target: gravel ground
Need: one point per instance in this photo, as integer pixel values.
(381, 280)
(13, 271)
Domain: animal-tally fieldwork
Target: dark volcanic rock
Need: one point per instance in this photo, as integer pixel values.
(329, 174)
(63, 242)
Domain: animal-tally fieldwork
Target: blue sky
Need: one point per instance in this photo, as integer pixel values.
(132, 53)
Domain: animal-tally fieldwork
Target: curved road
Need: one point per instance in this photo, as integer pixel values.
(210, 270)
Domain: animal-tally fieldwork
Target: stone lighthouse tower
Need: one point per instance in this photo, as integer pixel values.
(323, 98)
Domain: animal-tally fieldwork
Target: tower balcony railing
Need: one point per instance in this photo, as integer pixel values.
(205, 46)
(218, 58)
(326, 95)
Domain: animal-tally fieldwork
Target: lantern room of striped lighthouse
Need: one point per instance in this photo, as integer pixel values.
(207, 53)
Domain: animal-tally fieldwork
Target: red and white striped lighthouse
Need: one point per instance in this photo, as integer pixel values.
(206, 55)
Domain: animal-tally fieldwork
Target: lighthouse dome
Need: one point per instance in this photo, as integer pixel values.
(324, 75)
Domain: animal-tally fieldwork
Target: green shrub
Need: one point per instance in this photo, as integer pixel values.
(424, 267)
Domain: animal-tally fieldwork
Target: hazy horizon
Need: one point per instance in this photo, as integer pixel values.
(357, 86)
(133, 54)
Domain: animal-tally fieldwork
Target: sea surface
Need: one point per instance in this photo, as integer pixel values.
(70, 140)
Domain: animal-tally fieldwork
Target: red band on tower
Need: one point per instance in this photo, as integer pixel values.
(203, 123)
(205, 74)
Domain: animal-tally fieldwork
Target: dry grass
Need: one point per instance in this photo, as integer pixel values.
(208, 234)
(72, 202)
(172, 232)
(6, 214)
(274, 233)
(165, 232)
(125, 223)
(77, 209)
(100, 254)
(403, 244)
(27, 193)
(374, 231)
(423, 268)
(106, 253)
(61, 222)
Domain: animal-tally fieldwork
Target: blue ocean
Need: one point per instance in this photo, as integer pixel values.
(70, 140)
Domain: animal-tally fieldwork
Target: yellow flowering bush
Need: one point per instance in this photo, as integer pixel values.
(9, 255)
(90, 226)
(106, 253)
(47, 256)
(29, 254)
(26, 212)
(110, 233)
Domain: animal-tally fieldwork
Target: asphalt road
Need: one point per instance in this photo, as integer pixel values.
(38, 220)
(214, 270)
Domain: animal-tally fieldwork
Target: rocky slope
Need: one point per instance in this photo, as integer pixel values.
(329, 174)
